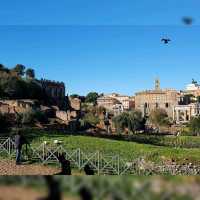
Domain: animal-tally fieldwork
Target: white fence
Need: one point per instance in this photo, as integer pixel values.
(101, 163)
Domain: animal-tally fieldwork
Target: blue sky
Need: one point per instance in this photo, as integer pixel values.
(104, 46)
(97, 12)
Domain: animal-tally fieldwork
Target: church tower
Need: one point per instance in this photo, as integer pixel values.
(157, 84)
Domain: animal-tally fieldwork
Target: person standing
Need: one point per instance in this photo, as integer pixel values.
(19, 142)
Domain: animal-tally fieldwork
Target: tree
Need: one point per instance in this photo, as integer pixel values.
(3, 68)
(19, 69)
(92, 97)
(3, 122)
(28, 117)
(34, 90)
(194, 125)
(14, 88)
(198, 99)
(91, 119)
(30, 73)
(131, 121)
(1, 92)
(159, 117)
(73, 96)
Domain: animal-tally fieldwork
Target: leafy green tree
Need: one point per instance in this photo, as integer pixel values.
(19, 69)
(3, 122)
(4, 69)
(194, 125)
(131, 121)
(30, 73)
(198, 99)
(28, 117)
(15, 88)
(159, 118)
(1, 92)
(34, 90)
(92, 97)
(40, 117)
(91, 119)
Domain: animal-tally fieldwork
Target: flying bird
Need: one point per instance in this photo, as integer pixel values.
(187, 20)
(165, 40)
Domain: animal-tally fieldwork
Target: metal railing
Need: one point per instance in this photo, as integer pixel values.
(101, 163)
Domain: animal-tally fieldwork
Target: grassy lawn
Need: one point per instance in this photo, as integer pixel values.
(127, 150)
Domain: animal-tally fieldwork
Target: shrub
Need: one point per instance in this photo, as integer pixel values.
(28, 117)
(194, 125)
(159, 118)
(91, 119)
(132, 121)
(3, 122)
(41, 117)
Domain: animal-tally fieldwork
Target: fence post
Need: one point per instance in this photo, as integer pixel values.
(9, 141)
(43, 151)
(118, 165)
(79, 158)
(98, 164)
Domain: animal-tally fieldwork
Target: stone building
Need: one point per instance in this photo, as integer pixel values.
(127, 102)
(192, 89)
(166, 99)
(107, 102)
(16, 106)
(184, 113)
(54, 90)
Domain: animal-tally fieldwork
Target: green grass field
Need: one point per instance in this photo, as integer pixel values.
(127, 150)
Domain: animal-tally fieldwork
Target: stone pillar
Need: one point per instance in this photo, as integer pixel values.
(177, 115)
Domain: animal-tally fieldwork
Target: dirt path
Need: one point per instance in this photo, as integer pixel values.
(8, 167)
(20, 193)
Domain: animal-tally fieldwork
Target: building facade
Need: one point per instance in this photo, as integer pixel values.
(116, 103)
(127, 102)
(192, 89)
(184, 113)
(107, 102)
(55, 91)
(147, 101)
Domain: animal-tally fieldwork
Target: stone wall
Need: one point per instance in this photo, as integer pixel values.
(64, 116)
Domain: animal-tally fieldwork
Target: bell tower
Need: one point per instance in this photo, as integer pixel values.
(157, 84)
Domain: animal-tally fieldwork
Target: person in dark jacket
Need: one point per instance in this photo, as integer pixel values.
(19, 142)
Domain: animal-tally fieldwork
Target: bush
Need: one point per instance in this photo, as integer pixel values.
(91, 119)
(28, 117)
(159, 118)
(194, 125)
(133, 121)
(41, 117)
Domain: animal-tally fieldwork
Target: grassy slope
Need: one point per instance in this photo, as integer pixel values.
(128, 150)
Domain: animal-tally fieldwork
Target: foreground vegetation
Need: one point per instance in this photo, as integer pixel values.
(177, 188)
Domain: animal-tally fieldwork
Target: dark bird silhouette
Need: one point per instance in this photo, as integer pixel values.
(165, 40)
(85, 194)
(54, 191)
(187, 20)
(65, 165)
(88, 170)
